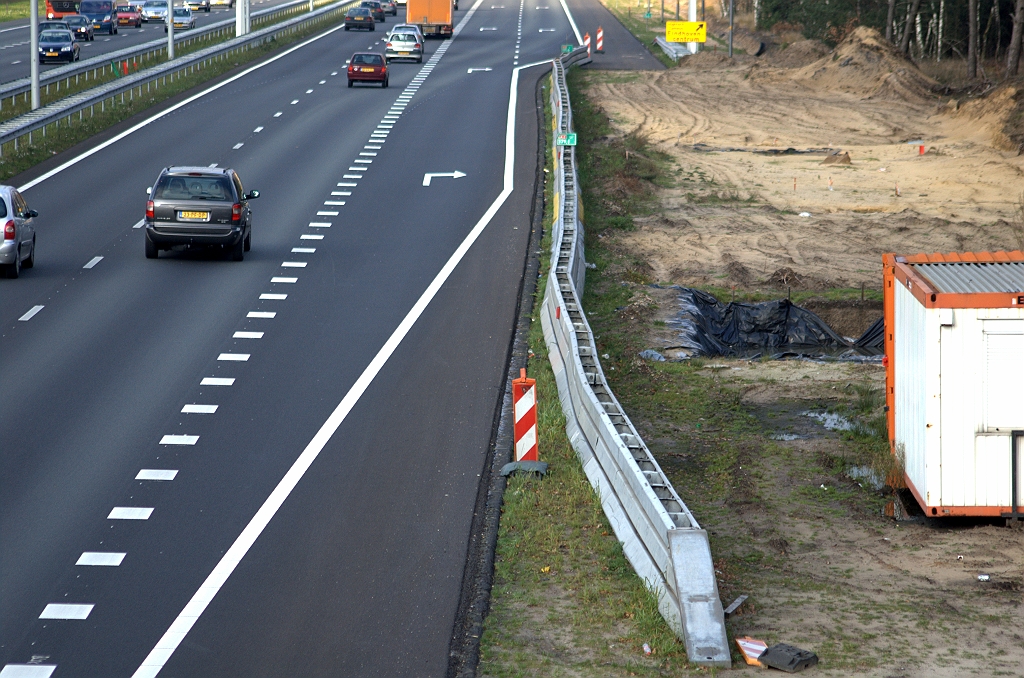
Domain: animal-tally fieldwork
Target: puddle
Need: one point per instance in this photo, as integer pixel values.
(831, 420)
(868, 475)
(786, 436)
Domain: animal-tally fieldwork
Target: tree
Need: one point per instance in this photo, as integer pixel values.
(911, 18)
(972, 39)
(1013, 52)
(889, 19)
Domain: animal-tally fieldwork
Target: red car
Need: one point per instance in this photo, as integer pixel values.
(129, 15)
(368, 67)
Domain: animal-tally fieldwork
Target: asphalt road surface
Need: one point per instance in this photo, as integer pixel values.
(622, 50)
(269, 467)
(15, 50)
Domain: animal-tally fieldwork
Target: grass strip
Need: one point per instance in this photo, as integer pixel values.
(63, 89)
(565, 600)
(19, 9)
(62, 137)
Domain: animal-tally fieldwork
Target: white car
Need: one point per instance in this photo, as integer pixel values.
(404, 28)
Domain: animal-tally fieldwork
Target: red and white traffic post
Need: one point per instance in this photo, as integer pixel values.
(586, 42)
(600, 40)
(524, 404)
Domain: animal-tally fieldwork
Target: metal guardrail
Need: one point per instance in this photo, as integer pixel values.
(92, 68)
(139, 84)
(660, 537)
(674, 50)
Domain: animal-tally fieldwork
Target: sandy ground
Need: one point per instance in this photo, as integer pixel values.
(734, 217)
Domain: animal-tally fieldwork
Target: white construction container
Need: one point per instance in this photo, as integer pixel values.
(954, 355)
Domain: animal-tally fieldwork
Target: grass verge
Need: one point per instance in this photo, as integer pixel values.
(19, 9)
(62, 138)
(565, 600)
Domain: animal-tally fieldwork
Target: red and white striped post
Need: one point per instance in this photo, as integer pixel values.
(524, 404)
(600, 40)
(586, 42)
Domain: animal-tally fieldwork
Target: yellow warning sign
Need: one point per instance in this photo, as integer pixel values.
(686, 31)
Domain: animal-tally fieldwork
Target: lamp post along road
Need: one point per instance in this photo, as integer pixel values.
(691, 15)
(170, 29)
(33, 27)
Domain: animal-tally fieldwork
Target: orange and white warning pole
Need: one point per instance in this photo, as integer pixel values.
(600, 40)
(586, 42)
(524, 404)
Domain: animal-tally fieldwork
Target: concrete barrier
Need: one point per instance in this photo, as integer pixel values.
(660, 537)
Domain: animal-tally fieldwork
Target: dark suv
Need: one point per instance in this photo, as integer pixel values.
(376, 9)
(199, 206)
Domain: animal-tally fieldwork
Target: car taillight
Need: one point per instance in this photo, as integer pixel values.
(236, 212)
(9, 231)
(150, 214)
(388, 45)
(351, 68)
(418, 45)
(384, 69)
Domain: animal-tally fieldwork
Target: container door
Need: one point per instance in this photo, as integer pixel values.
(1003, 412)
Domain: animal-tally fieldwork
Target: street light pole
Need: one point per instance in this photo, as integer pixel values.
(33, 27)
(691, 15)
(239, 17)
(732, 17)
(170, 29)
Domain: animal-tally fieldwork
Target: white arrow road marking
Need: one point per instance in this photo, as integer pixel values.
(454, 175)
(477, 69)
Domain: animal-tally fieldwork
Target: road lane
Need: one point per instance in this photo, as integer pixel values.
(103, 372)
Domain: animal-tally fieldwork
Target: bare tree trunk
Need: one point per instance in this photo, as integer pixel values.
(972, 38)
(911, 19)
(889, 20)
(1013, 53)
(942, 12)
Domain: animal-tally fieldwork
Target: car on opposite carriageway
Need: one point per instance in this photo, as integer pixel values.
(199, 207)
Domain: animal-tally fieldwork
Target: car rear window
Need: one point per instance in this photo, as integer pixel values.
(124, 8)
(368, 59)
(75, 20)
(179, 187)
(3, 208)
(403, 38)
(95, 6)
(54, 36)
(359, 11)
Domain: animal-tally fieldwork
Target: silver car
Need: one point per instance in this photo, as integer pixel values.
(405, 28)
(404, 46)
(154, 10)
(19, 244)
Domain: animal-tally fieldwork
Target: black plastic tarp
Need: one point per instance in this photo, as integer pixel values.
(872, 342)
(706, 326)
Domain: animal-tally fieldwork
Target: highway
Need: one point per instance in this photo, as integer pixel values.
(270, 467)
(15, 48)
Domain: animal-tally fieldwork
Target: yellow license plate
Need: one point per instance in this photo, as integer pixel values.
(51, 54)
(367, 70)
(193, 215)
(404, 53)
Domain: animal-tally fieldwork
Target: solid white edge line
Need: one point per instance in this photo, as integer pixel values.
(153, 118)
(190, 614)
(568, 15)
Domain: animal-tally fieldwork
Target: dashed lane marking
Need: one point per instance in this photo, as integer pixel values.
(174, 439)
(284, 280)
(246, 335)
(101, 558)
(319, 224)
(218, 381)
(130, 513)
(66, 611)
(237, 146)
(93, 262)
(293, 264)
(303, 250)
(195, 408)
(261, 314)
(236, 357)
(157, 474)
(31, 313)
(310, 237)
(275, 297)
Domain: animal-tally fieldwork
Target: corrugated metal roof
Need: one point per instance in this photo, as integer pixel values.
(968, 277)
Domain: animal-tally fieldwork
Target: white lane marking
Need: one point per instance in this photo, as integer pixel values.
(327, 213)
(319, 224)
(140, 223)
(568, 15)
(273, 296)
(546, 30)
(488, 28)
(295, 102)
(27, 670)
(311, 237)
(257, 130)
(309, 91)
(167, 111)
(261, 314)
(246, 335)
(303, 250)
(293, 264)
(389, 119)
(323, 82)
(350, 184)
(31, 313)
(13, 28)
(341, 192)
(173, 439)
(368, 154)
(180, 627)
(237, 146)
(236, 357)
(278, 114)
(353, 176)
(334, 202)
(431, 175)
(93, 262)
(284, 280)
(101, 558)
(66, 611)
(194, 408)
(372, 148)
(130, 513)
(363, 161)
(157, 474)
(474, 70)
(356, 169)
(334, 72)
